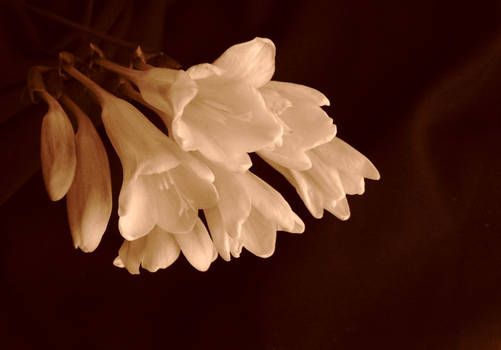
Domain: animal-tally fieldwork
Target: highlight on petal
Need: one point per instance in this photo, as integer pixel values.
(197, 246)
(161, 250)
(234, 200)
(157, 250)
(89, 199)
(167, 89)
(252, 61)
(154, 200)
(272, 205)
(221, 239)
(57, 149)
(226, 121)
(140, 145)
(345, 158)
(307, 125)
(259, 235)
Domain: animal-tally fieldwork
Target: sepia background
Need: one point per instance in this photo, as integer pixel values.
(414, 85)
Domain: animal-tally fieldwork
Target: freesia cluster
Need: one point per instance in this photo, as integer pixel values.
(215, 114)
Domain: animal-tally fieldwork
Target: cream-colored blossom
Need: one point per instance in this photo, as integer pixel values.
(337, 170)
(161, 184)
(159, 249)
(215, 108)
(89, 199)
(248, 214)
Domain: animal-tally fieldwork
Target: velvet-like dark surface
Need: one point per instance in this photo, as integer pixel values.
(415, 86)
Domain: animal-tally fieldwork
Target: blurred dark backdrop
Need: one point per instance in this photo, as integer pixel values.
(414, 85)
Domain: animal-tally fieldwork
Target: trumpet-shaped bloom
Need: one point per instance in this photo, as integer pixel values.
(248, 214)
(159, 249)
(337, 170)
(161, 185)
(215, 109)
(306, 125)
(89, 199)
(57, 149)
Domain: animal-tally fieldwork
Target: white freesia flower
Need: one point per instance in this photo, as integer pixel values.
(89, 199)
(161, 184)
(337, 170)
(248, 214)
(57, 149)
(159, 249)
(215, 108)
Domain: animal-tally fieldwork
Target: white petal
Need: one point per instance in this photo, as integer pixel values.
(341, 210)
(174, 213)
(252, 61)
(352, 183)
(259, 235)
(89, 199)
(326, 177)
(307, 126)
(234, 200)
(204, 70)
(198, 192)
(300, 93)
(225, 121)
(167, 89)
(118, 262)
(197, 246)
(161, 250)
(141, 146)
(339, 154)
(272, 205)
(307, 189)
(137, 208)
(218, 233)
(57, 150)
(131, 254)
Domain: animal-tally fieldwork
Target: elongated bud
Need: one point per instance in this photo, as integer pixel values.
(57, 149)
(89, 199)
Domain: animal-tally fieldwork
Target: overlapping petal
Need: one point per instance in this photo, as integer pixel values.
(252, 62)
(337, 169)
(307, 125)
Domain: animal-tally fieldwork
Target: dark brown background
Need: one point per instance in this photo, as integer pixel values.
(414, 85)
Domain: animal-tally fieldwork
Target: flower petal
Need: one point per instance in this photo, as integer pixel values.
(307, 126)
(89, 199)
(234, 200)
(225, 121)
(174, 213)
(218, 233)
(272, 205)
(161, 250)
(259, 235)
(131, 254)
(197, 246)
(305, 186)
(198, 192)
(341, 155)
(252, 61)
(299, 93)
(167, 89)
(57, 150)
(341, 209)
(137, 208)
(352, 183)
(140, 145)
